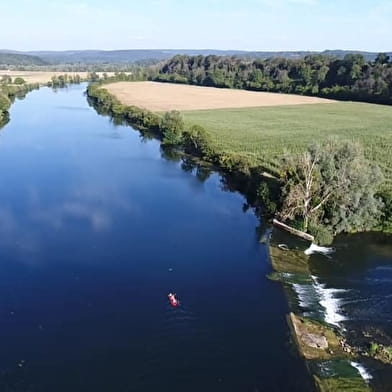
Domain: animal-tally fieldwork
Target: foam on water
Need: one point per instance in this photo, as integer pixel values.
(304, 293)
(362, 371)
(319, 249)
(331, 304)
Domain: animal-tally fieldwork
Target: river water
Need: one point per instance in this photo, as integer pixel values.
(354, 287)
(96, 228)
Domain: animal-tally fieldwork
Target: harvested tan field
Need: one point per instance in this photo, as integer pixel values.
(166, 96)
(43, 77)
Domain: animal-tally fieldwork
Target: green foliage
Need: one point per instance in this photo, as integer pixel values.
(348, 78)
(6, 79)
(381, 352)
(382, 58)
(107, 103)
(263, 195)
(8, 92)
(64, 80)
(322, 234)
(172, 127)
(373, 348)
(242, 141)
(117, 109)
(5, 103)
(19, 80)
(386, 197)
(264, 133)
(21, 59)
(93, 76)
(233, 163)
(197, 141)
(331, 185)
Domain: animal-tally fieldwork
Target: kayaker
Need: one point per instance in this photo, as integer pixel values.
(173, 300)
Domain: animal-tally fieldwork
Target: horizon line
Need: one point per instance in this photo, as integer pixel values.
(196, 49)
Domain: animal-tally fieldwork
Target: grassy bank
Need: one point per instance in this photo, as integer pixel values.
(262, 134)
(249, 142)
(8, 94)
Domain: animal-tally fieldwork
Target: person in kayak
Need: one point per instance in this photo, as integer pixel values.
(173, 300)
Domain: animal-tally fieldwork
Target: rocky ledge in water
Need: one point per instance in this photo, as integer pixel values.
(380, 353)
(316, 340)
(285, 260)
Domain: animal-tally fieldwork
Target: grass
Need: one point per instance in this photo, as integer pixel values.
(262, 134)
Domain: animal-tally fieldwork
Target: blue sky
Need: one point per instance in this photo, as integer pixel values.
(216, 24)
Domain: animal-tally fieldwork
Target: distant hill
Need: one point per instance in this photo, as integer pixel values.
(132, 56)
(7, 58)
(341, 53)
(125, 56)
(137, 55)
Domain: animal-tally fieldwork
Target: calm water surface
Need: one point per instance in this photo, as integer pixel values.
(95, 229)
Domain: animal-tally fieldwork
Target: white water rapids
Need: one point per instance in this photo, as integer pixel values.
(319, 249)
(362, 371)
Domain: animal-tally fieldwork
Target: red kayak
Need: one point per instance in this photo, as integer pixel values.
(173, 300)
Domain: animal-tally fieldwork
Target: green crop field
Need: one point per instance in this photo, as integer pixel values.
(262, 134)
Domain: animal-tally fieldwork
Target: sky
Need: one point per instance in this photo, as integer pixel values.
(196, 24)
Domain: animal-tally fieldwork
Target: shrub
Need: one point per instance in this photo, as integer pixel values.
(5, 103)
(386, 197)
(321, 234)
(263, 195)
(19, 80)
(172, 127)
(196, 140)
(118, 109)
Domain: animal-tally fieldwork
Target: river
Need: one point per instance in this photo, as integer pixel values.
(96, 228)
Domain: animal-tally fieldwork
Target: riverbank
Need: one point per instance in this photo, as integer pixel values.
(261, 126)
(8, 94)
(44, 77)
(247, 142)
(259, 185)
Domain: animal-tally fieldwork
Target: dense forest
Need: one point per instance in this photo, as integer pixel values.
(350, 78)
(7, 59)
(130, 56)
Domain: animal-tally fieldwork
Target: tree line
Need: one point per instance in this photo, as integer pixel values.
(348, 78)
(332, 188)
(10, 89)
